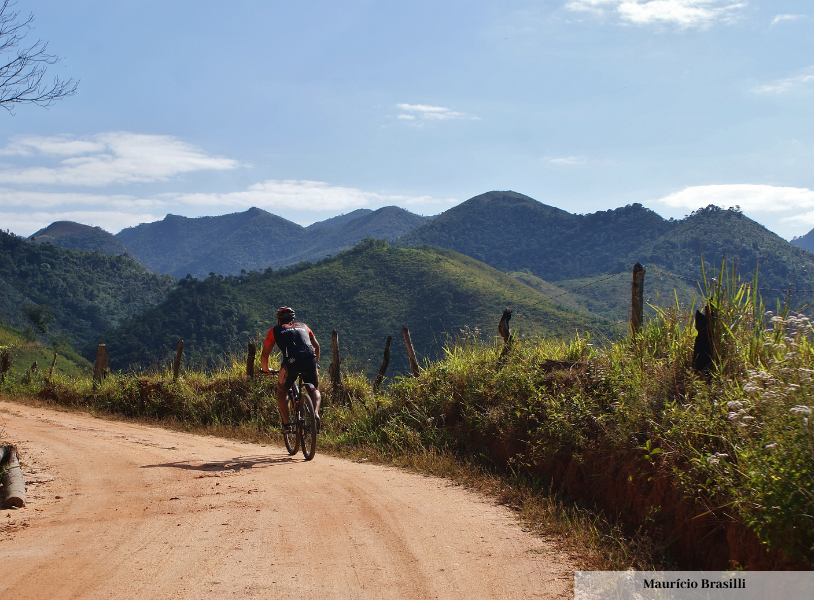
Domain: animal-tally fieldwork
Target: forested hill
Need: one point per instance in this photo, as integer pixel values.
(75, 236)
(366, 294)
(513, 232)
(255, 240)
(78, 294)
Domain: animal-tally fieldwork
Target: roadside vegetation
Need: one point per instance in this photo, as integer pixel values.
(621, 448)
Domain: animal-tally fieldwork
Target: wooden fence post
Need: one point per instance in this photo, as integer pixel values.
(385, 362)
(6, 362)
(335, 373)
(410, 350)
(637, 299)
(176, 364)
(250, 360)
(250, 357)
(101, 367)
(11, 476)
(505, 333)
(53, 364)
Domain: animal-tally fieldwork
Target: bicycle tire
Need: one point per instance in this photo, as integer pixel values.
(292, 438)
(308, 427)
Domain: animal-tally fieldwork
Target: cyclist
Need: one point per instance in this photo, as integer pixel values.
(300, 355)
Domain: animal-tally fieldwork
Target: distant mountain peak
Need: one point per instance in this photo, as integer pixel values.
(76, 236)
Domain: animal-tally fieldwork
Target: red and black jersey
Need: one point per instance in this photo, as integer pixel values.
(293, 339)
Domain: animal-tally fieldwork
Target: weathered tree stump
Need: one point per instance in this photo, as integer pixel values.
(11, 476)
(6, 362)
(101, 368)
(704, 351)
(408, 342)
(385, 363)
(53, 364)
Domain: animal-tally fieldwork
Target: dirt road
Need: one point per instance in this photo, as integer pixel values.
(119, 510)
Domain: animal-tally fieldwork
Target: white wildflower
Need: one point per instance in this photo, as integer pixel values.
(714, 459)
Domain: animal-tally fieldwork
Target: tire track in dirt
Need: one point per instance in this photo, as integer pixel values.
(146, 512)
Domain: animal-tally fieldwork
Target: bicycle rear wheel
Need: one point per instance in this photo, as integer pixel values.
(308, 427)
(291, 438)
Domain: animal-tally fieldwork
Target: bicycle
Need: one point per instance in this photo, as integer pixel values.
(301, 415)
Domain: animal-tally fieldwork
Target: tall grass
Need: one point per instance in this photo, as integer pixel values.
(684, 464)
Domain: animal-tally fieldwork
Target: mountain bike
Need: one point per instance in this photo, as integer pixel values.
(301, 415)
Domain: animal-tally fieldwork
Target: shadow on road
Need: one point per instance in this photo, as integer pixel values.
(239, 463)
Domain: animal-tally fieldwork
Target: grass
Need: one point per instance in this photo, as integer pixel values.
(622, 452)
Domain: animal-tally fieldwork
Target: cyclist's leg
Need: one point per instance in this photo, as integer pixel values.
(309, 375)
(284, 383)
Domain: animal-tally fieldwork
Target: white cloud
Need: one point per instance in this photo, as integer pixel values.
(107, 158)
(788, 211)
(425, 112)
(43, 200)
(750, 198)
(804, 219)
(781, 18)
(784, 85)
(568, 160)
(680, 13)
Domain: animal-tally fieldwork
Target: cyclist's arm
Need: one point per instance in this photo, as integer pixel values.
(314, 343)
(268, 346)
(264, 357)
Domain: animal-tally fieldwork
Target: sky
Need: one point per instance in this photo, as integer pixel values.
(313, 109)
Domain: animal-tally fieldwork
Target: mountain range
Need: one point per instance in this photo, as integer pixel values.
(513, 232)
(254, 240)
(578, 265)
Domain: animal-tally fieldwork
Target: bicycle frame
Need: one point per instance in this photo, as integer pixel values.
(303, 418)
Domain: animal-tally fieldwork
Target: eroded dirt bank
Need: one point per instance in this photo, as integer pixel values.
(119, 510)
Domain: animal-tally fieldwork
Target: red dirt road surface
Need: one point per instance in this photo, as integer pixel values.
(121, 510)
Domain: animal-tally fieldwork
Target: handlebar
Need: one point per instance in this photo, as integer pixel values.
(269, 372)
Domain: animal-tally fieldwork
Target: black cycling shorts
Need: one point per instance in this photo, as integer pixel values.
(292, 367)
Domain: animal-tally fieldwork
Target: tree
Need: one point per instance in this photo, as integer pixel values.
(23, 68)
(40, 315)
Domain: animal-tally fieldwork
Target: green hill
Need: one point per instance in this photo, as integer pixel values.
(26, 351)
(255, 240)
(365, 293)
(75, 236)
(224, 244)
(56, 291)
(515, 233)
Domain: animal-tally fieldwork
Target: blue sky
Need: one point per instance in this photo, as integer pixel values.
(314, 109)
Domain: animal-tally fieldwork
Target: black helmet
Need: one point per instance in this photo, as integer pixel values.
(285, 313)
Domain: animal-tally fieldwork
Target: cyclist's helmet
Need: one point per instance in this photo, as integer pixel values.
(285, 313)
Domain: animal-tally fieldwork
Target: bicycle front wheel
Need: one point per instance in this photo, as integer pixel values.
(308, 428)
(291, 438)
